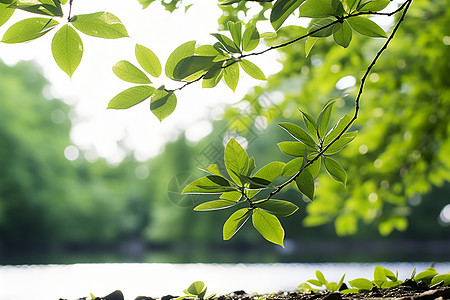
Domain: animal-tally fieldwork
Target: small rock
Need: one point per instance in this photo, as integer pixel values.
(168, 297)
(238, 293)
(116, 295)
(333, 296)
(144, 298)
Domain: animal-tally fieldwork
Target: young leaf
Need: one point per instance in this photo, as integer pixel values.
(131, 97)
(334, 132)
(350, 5)
(148, 60)
(67, 49)
(5, 13)
(229, 45)
(342, 35)
(185, 50)
(196, 288)
(28, 29)
(366, 27)
(281, 10)
(374, 5)
(335, 170)
(100, 24)
(322, 27)
(324, 116)
(379, 276)
(268, 226)
(341, 142)
(317, 9)
(48, 8)
(310, 123)
(295, 165)
(236, 160)
(231, 196)
(298, 133)
(192, 65)
(251, 166)
(426, 275)
(213, 76)
(270, 171)
(235, 222)
(252, 70)
(163, 103)
(212, 169)
(215, 205)
(305, 183)
(211, 184)
(129, 73)
(231, 76)
(361, 283)
(279, 208)
(250, 39)
(321, 278)
(309, 44)
(235, 29)
(292, 148)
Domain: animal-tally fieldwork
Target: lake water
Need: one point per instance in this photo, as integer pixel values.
(47, 282)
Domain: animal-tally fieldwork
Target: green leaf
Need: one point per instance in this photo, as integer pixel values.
(28, 29)
(361, 283)
(148, 60)
(335, 170)
(251, 166)
(145, 3)
(292, 148)
(227, 43)
(67, 49)
(338, 128)
(100, 24)
(211, 184)
(252, 70)
(129, 73)
(235, 222)
(310, 42)
(48, 8)
(185, 50)
(366, 27)
(231, 76)
(350, 5)
(250, 39)
(305, 183)
(341, 142)
(192, 65)
(270, 171)
(321, 278)
(374, 5)
(235, 29)
(426, 275)
(215, 205)
(236, 160)
(5, 13)
(212, 169)
(317, 9)
(441, 277)
(324, 116)
(231, 196)
(296, 164)
(268, 226)
(298, 133)
(163, 103)
(322, 27)
(131, 97)
(196, 288)
(209, 50)
(379, 275)
(213, 76)
(279, 208)
(281, 10)
(310, 123)
(342, 34)
(390, 274)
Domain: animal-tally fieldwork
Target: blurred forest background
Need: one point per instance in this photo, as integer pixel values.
(396, 206)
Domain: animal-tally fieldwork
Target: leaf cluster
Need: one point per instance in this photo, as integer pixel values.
(197, 290)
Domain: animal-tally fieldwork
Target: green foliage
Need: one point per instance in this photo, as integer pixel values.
(197, 290)
(321, 281)
(383, 278)
(67, 49)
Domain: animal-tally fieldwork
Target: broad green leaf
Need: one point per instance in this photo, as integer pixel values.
(196, 288)
(209, 50)
(48, 8)
(374, 5)
(379, 276)
(67, 49)
(309, 44)
(292, 148)
(213, 76)
(315, 282)
(366, 27)
(338, 128)
(236, 160)
(211, 184)
(426, 275)
(296, 164)
(390, 274)
(235, 222)
(192, 65)
(231, 196)
(212, 169)
(281, 10)
(235, 29)
(5, 13)
(185, 50)
(28, 29)
(441, 277)
(252, 70)
(321, 278)
(129, 73)
(324, 117)
(361, 283)
(317, 9)
(268, 226)
(322, 27)
(305, 183)
(310, 123)
(341, 142)
(100, 24)
(350, 5)
(270, 171)
(250, 39)
(342, 34)
(215, 205)
(279, 208)
(148, 60)
(231, 76)
(131, 97)
(163, 103)
(229, 45)
(335, 170)
(298, 133)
